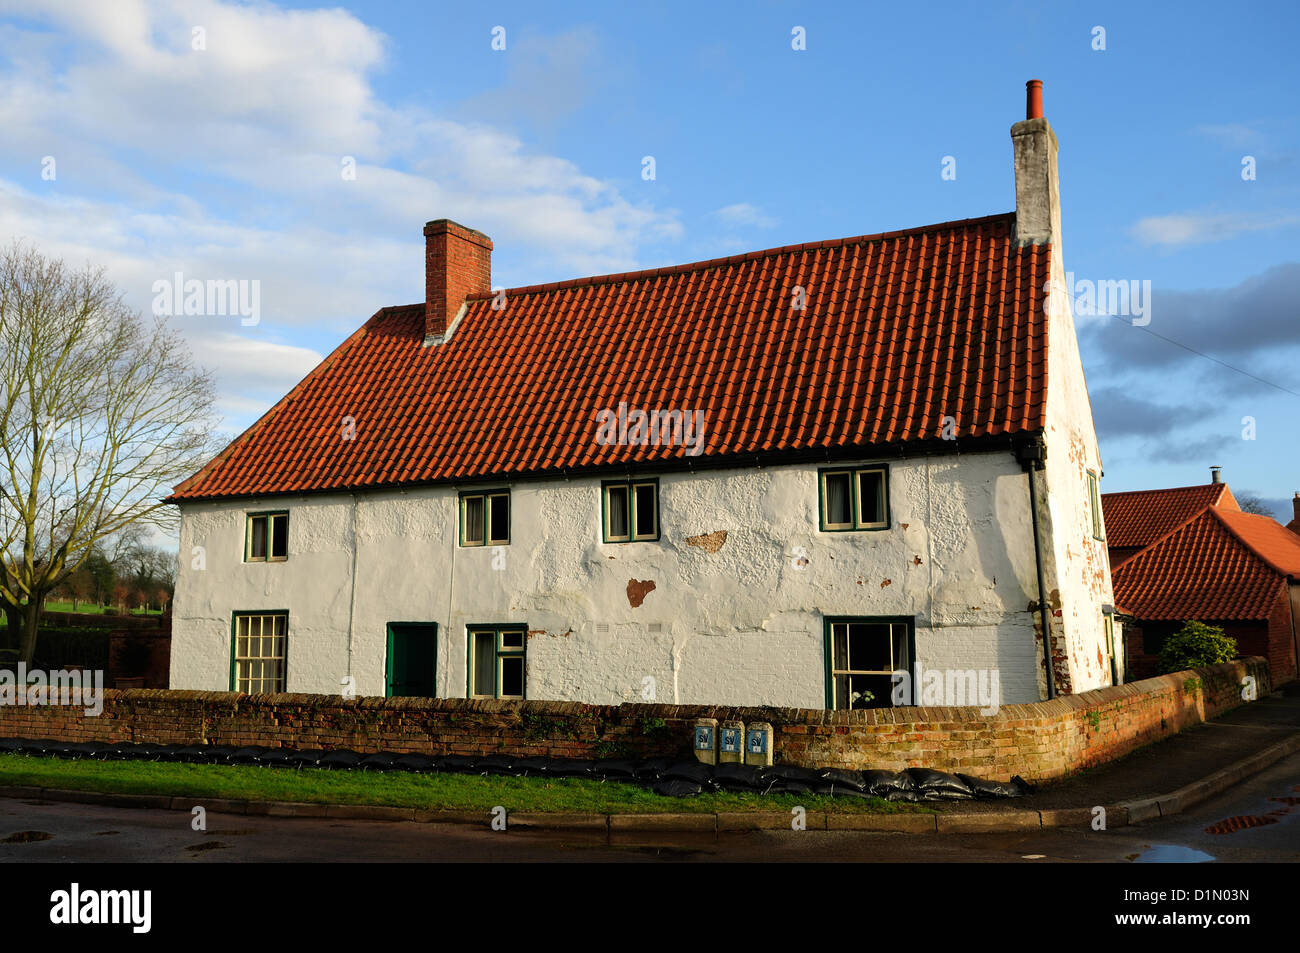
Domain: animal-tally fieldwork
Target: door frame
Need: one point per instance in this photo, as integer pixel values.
(391, 631)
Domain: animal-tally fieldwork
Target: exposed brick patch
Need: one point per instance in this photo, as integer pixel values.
(637, 589)
(709, 542)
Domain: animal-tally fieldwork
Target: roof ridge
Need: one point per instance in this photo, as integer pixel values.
(739, 258)
(1156, 542)
(1248, 544)
(1167, 489)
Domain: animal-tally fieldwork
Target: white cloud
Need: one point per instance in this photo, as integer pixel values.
(225, 163)
(742, 213)
(1193, 229)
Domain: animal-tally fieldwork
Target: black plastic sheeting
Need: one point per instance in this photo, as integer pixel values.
(666, 776)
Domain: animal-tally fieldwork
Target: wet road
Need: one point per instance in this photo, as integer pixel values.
(1258, 821)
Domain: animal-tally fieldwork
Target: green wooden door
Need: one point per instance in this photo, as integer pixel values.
(412, 659)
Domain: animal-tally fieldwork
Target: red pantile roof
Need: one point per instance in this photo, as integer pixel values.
(900, 330)
(1218, 565)
(1136, 519)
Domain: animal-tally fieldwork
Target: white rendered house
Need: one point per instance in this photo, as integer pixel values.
(769, 479)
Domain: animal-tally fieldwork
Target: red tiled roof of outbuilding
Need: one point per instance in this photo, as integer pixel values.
(900, 330)
(1137, 518)
(1218, 565)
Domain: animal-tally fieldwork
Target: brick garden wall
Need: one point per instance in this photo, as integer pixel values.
(1038, 741)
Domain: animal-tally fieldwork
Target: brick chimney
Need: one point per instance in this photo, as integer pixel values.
(1295, 508)
(457, 263)
(1038, 192)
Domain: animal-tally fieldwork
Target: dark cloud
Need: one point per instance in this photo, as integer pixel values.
(1205, 450)
(1243, 325)
(1120, 412)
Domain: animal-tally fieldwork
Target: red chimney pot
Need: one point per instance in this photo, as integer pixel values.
(1034, 99)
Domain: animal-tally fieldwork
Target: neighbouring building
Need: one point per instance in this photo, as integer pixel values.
(1191, 553)
(773, 478)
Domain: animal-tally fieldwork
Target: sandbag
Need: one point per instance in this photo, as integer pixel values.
(147, 751)
(414, 762)
(882, 783)
(532, 767)
(340, 759)
(615, 769)
(570, 768)
(306, 758)
(495, 764)
(677, 787)
(277, 758)
(249, 755)
(650, 770)
(187, 754)
(738, 777)
(939, 785)
(983, 789)
(840, 778)
(38, 745)
(12, 745)
(380, 761)
(792, 773)
(694, 771)
(85, 749)
(456, 763)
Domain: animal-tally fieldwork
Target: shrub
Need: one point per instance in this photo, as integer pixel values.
(1196, 645)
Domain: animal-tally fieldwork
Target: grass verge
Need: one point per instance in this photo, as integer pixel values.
(447, 792)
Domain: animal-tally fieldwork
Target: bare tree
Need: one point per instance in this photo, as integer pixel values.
(1250, 503)
(101, 412)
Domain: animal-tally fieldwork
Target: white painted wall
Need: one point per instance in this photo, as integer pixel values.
(1081, 564)
(740, 626)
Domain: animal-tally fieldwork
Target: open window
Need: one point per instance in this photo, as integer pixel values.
(485, 518)
(630, 510)
(862, 655)
(854, 499)
(266, 537)
(497, 661)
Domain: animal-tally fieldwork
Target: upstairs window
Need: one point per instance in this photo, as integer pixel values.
(1094, 507)
(631, 510)
(485, 518)
(854, 499)
(266, 537)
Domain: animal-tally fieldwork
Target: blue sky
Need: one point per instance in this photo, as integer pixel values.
(225, 162)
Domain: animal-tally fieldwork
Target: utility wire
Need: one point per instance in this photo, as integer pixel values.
(1208, 357)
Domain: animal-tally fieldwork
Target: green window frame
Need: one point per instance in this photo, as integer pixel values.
(863, 652)
(497, 654)
(1094, 507)
(629, 510)
(1108, 626)
(259, 651)
(485, 517)
(266, 537)
(853, 499)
